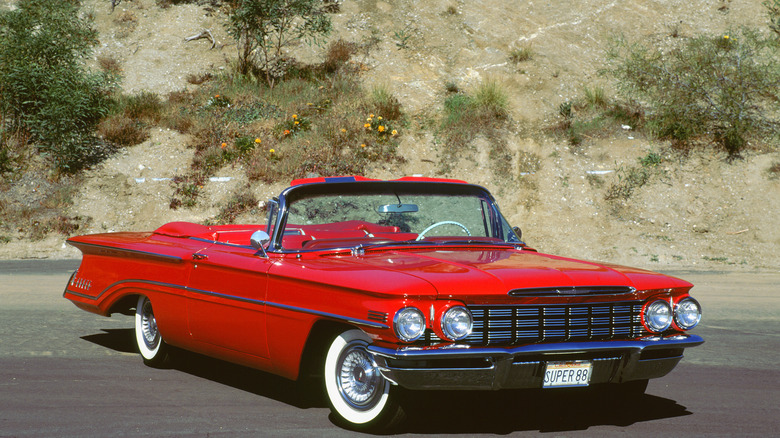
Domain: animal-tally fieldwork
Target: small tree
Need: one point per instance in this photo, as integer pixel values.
(773, 10)
(263, 28)
(46, 90)
(724, 86)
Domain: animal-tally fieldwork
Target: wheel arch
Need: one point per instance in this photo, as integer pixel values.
(125, 305)
(317, 343)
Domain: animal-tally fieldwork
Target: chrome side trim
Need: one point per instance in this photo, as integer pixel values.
(357, 321)
(92, 248)
(329, 315)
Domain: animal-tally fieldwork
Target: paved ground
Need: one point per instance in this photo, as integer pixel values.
(68, 373)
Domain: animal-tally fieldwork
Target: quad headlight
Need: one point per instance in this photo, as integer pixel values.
(687, 313)
(409, 324)
(658, 316)
(456, 323)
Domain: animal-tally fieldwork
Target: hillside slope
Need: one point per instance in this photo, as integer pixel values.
(696, 211)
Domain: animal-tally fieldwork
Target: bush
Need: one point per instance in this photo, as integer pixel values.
(262, 28)
(722, 87)
(773, 11)
(467, 116)
(45, 89)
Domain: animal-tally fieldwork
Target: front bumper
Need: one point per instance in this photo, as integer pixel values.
(458, 366)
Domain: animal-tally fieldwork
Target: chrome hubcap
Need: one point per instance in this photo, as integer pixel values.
(149, 326)
(359, 380)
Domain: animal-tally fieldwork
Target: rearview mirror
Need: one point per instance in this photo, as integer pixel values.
(397, 208)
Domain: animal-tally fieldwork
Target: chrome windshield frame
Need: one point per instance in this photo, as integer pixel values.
(291, 194)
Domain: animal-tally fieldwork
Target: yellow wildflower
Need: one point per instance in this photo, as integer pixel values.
(394, 132)
(379, 118)
(343, 130)
(380, 128)
(271, 151)
(725, 37)
(258, 141)
(363, 145)
(296, 122)
(371, 115)
(367, 125)
(224, 145)
(295, 116)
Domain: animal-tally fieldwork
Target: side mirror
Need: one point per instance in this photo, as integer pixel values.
(519, 232)
(259, 240)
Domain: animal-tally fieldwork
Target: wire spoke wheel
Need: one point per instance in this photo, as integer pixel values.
(359, 396)
(150, 343)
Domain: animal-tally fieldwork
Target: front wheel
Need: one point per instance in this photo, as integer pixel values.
(150, 343)
(359, 396)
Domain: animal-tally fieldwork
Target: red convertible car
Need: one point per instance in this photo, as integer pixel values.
(387, 286)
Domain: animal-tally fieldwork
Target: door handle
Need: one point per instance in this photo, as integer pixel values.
(198, 256)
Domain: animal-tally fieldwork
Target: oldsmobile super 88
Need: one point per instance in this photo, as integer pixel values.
(387, 286)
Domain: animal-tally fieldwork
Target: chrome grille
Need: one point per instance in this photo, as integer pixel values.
(555, 322)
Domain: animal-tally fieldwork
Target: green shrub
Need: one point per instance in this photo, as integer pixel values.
(45, 89)
(773, 11)
(630, 178)
(262, 28)
(491, 100)
(722, 87)
(468, 116)
(521, 54)
(239, 203)
(384, 103)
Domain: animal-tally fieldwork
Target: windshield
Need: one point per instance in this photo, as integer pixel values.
(348, 215)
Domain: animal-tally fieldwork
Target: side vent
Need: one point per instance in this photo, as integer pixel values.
(373, 315)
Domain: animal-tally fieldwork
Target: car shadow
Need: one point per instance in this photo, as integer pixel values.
(302, 394)
(434, 412)
(121, 340)
(540, 410)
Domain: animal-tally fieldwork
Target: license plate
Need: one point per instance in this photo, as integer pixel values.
(571, 373)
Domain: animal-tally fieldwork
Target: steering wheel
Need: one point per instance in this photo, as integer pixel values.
(438, 224)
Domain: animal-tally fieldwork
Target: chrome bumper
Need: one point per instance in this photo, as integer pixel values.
(458, 366)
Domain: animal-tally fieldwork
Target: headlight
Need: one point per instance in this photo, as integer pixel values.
(687, 313)
(456, 323)
(409, 324)
(658, 316)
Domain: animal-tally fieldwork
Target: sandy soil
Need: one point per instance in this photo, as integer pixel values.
(697, 212)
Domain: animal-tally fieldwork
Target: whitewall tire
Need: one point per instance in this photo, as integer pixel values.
(359, 396)
(150, 343)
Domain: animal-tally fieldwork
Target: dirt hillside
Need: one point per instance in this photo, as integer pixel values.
(699, 211)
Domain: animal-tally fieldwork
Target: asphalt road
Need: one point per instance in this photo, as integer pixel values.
(67, 373)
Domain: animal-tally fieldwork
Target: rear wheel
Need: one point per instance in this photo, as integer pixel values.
(359, 396)
(150, 343)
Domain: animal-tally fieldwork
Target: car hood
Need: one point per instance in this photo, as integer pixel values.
(482, 272)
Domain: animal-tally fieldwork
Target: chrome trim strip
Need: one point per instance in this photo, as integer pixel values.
(571, 291)
(124, 251)
(466, 351)
(358, 321)
(329, 315)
